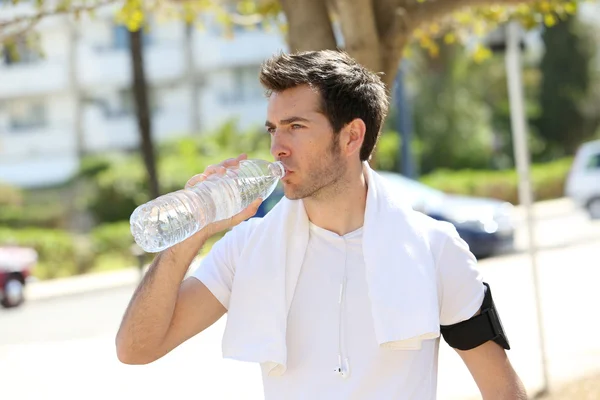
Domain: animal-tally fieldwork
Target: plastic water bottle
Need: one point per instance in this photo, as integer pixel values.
(172, 218)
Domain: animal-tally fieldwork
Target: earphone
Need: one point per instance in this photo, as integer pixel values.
(343, 369)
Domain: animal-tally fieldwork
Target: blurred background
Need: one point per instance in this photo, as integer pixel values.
(107, 104)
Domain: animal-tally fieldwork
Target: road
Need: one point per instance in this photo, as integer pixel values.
(63, 347)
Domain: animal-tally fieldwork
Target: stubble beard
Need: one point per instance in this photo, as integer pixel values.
(326, 179)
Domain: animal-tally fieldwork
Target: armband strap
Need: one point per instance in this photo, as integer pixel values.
(477, 330)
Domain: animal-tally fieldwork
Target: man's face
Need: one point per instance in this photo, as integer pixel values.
(303, 139)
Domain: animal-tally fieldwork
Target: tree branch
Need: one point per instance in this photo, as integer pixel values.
(20, 32)
(309, 27)
(32, 19)
(397, 19)
(431, 10)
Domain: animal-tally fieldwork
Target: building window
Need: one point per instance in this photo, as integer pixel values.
(26, 115)
(244, 87)
(123, 104)
(19, 52)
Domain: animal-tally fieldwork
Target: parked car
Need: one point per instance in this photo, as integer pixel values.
(583, 182)
(485, 224)
(16, 266)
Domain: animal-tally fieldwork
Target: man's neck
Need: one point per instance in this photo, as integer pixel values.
(342, 210)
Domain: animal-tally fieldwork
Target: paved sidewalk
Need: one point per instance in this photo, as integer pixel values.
(41, 290)
(549, 209)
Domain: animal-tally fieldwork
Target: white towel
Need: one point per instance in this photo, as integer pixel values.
(400, 272)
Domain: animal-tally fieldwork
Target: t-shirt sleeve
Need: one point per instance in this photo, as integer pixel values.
(461, 286)
(217, 269)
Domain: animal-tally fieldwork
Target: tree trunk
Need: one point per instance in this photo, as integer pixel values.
(75, 90)
(191, 79)
(79, 220)
(375, 32)
(144, 122)
(309, 26)
(360, 32)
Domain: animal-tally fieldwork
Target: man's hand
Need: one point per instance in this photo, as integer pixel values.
(229, 223)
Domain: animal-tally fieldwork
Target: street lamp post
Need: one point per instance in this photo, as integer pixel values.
(521, 152)
(404, 123)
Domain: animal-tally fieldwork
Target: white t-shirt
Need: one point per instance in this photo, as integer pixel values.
(322, 330)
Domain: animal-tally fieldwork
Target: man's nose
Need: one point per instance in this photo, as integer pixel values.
(278, 148)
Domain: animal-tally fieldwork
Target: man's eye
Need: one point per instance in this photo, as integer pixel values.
(271, 130)
(296, 126)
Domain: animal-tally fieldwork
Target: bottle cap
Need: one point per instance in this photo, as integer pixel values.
(277, 169)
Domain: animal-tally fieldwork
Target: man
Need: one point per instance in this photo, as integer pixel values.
(325, 114)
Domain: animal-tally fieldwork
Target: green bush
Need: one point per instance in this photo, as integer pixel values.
(387, 151)
(10, 196)
(30, 208)
(112, 238)
(40, 216)
(119, 189)
(92, 165)
(548, 182)
(117, 185)
(62, 254)
(59, 253)
(112, 244)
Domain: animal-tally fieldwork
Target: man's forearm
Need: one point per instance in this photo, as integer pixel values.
(502, 384)
(508, 390)
(150, 311)
(493, 373)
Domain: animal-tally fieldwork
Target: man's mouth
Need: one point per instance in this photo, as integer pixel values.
(287, 175)
(287, 170)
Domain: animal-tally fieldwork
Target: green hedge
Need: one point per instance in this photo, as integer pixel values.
(40, 216)
(22, 209)
(10, 195)
(58, 253)
(112, 238)
(118, 184)
(65, 254)
(548, 182)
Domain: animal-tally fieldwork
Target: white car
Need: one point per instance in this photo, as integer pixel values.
(583, 182)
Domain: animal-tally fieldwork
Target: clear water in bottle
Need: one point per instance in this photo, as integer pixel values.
(172, 218)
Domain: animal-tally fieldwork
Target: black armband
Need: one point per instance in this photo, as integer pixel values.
(467, 335)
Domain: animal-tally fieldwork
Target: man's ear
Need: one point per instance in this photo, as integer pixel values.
(353, 135)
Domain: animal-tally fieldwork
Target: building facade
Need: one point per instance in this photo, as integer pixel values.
(76, 98)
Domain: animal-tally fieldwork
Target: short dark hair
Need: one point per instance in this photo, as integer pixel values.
(348, 90)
